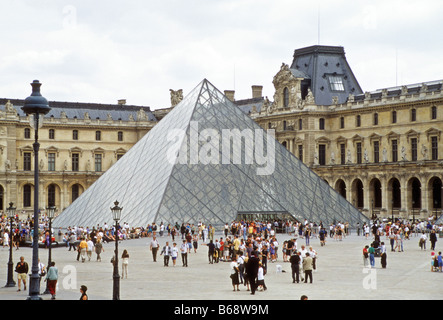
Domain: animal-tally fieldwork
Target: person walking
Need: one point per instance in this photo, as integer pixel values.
(383, 256)
(433, 239)
(371, 252)
(295, 266)
(125, 262)
(252, 271)
(174, 253)
(89, 248)
(154, 248)
(166, 252)
(422, 241)
(235, 273)
(99, 248)
(184, 253)
(72, 240)
(51, 278)
(307, 267)
(82, 248)
(261, 277)
(22, 272)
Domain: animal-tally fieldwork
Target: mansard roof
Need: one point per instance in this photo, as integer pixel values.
(321, 65)
(78, 110)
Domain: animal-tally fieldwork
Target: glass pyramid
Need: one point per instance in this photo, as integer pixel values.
(207, 161)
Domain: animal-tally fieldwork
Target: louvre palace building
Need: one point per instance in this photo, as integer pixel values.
(381, 150)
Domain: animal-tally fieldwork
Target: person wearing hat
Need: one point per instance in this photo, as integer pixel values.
(83, 290)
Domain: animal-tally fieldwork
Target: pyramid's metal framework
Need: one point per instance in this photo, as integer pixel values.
(158, 179)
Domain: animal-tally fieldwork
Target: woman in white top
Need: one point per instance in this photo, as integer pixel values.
(261, 278)
(234, 273)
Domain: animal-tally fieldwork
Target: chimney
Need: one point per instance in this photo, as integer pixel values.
(257, 91)
(230, 94)
(122, 102)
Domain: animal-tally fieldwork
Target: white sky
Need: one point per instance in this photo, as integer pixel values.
(101, 51)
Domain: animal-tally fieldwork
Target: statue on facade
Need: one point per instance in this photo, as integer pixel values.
(348, 160)
(7, 165)
(424, 152)
(332, 157)
(310, 97)
(87, 117)
(366, 156)
(403, 153)
(9, 107)
(384, 155)
(141, 115)
(176, 97)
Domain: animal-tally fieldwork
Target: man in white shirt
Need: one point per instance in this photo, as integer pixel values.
(184, 253)
(89, 248)
(154, 248)
(174, 253)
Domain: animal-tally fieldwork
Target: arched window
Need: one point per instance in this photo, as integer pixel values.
(27, 189)
(285, 97)
(75, 192)
(51, 195)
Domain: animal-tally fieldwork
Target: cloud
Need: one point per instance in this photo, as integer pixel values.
(102, 51)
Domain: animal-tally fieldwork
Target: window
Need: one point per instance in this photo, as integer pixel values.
(413, 115)
(27, 133)
(27, 195)
(342, 153)
(358, 121)
(75, 161)
(284, 125)
(433, 112)
(98, 162)
(119, 156)
(342, 122)
(375, 122)
(336, 83)
(359, 155)
(434, 148)
(394, 116)
(269, 125)
(300, 152)
(414, 149)
(322, 154)
(321, 124)
(120, 135)
(74, 134)
(98, 135)
(300, 124)
(285, 97)
(75, 192)
(394, 151)
(51, 195)
(27, 161)
(51, 134)
(376, 151)
(51, 161)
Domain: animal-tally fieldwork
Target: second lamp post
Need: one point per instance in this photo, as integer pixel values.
(116, 215)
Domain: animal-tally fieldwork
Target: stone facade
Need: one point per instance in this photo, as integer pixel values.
(380, 150)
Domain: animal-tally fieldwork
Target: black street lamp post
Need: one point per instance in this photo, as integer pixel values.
(11, 215)
(116, 215)
(50, 213)
(35, 106)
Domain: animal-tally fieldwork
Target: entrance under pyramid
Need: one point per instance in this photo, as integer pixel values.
(208, 161)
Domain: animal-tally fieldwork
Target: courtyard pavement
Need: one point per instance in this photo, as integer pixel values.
(340, 274)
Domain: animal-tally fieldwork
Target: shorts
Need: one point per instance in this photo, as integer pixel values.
(21, 276)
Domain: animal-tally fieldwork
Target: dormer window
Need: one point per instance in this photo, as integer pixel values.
(285, 97)
(336, 83)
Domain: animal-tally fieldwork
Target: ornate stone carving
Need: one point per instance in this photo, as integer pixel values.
(176, 97)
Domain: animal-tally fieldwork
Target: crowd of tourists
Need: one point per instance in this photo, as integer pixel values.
(248, 246)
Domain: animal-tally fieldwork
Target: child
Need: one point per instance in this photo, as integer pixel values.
(174, 254)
